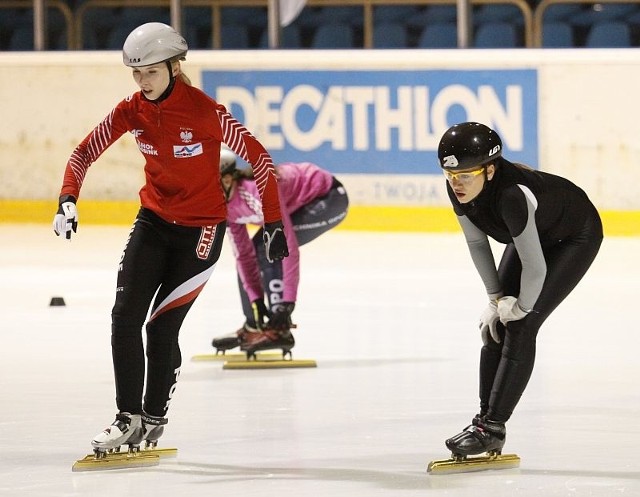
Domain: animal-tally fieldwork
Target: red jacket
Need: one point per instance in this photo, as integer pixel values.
(180, 139)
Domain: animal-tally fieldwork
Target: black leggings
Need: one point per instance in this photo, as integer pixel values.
(505, 368)
(172, 263)
(309, 222)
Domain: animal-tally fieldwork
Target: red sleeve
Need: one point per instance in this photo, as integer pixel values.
(245, 145)
(95, 143)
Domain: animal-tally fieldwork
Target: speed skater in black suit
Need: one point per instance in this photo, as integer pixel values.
(552, 233)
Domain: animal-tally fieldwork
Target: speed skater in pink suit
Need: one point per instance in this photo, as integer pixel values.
(312, 202)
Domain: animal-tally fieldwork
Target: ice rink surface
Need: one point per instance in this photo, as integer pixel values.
(391, 320)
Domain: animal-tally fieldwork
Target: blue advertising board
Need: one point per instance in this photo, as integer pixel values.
(382, 121)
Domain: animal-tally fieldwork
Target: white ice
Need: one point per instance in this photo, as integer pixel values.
(391, 320)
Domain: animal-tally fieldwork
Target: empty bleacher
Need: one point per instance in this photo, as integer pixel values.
(329, 24)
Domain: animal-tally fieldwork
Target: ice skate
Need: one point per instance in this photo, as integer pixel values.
(126, 429)
(255, 344)
(233, 340)
(267, 340)
(482, 436)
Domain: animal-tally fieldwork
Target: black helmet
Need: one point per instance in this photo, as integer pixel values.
(227, 161)
(468, 145)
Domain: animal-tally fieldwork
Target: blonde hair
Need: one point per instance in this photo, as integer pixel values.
(180, 74)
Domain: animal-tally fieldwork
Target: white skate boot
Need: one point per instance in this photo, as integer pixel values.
(126, 429)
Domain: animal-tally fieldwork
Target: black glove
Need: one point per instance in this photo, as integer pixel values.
(260, 313)
(281, 316)
(66, 219)
(275, 242)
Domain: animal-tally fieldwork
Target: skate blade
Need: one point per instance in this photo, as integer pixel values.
(162, 452)
(261, 363)
(479, 463)
(116, 461)
(119, 460)
(233, 357)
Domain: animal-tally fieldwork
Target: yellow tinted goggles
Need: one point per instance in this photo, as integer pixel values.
(463, 176)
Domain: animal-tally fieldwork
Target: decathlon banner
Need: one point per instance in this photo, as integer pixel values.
(378, 122)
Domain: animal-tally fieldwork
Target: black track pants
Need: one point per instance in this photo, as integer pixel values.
(172, 263)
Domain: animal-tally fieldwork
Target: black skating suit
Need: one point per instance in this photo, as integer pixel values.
(552, 233)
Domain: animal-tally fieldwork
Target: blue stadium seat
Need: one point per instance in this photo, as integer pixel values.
(59, 41)
(97, 23)
(394, 13)
(603, 12)
(247, 16)
(557, 34)
(116, 37)
(333, 35)
(119, 23)
(633, 18)
(57, 29)
(389, 35)
(561, 11)
(197, 29)
(500, 12)
(190, 33)
(349, 14)
(197, 17)
(16, 27)
(496, 35)
(135, 16)
(441, 35)
(433, 14)
(234, 36)
(609, 34)
(22, 38)
(10, 18)
(290, 37)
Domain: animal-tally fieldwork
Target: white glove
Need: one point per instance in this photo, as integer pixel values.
(66, 219)
(488, 322)
(509, 310)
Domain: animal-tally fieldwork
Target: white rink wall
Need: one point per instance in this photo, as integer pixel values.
(587, 116)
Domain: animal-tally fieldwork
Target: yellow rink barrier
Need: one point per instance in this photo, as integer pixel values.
(360, 217)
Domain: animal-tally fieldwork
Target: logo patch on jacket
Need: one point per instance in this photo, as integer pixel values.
(147, 148)
(185, 151)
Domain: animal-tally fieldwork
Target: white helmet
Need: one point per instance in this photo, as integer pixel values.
(151, 43)
(227, 161)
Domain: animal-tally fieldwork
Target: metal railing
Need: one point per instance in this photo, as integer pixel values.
(538, 14)
(40, 18)
(367, 5)
(74, 20)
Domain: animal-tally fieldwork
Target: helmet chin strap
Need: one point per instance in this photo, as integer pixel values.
(169, 89)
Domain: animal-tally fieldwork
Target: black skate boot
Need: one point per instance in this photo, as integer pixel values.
(152, 429)
(267, 340)
(233, 340)
(482, 435)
